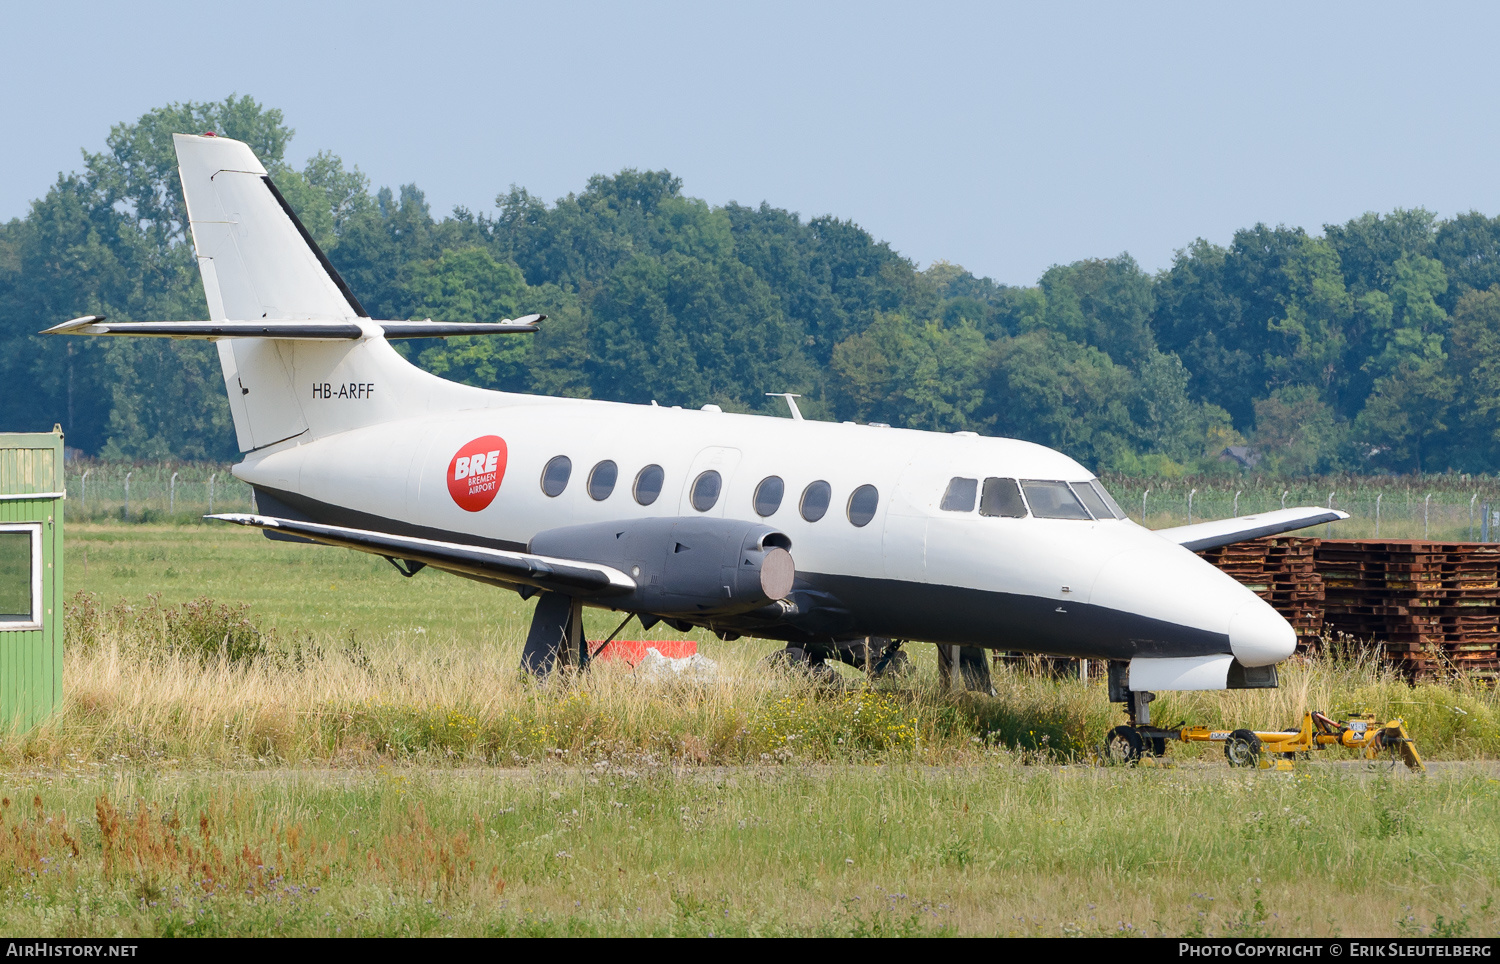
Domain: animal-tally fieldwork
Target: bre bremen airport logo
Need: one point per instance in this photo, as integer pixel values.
(474, 474)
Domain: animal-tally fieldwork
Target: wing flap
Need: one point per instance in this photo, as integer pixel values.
(493, 565)
(1222, 532)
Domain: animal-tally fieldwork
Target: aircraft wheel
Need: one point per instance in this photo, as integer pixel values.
(1242, 749)
(1123, 745)
(896, 666)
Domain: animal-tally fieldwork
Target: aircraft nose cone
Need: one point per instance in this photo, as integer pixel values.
(1259, 636)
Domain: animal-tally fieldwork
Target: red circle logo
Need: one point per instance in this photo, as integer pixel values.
(474, 474)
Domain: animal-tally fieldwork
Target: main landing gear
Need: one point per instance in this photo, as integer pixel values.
(556, 636)
(973, 666)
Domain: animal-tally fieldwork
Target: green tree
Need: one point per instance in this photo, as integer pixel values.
(1044, 388)
(1104, 303)
(1474, 363)
(1469, 247)
(911, 374)
(469, 285)
(1296, 432)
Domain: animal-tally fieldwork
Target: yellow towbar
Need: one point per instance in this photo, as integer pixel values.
(1252, 748)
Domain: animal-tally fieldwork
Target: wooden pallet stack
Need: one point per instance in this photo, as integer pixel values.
(1433, 608)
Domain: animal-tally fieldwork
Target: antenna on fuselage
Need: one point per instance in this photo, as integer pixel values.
(791, 402)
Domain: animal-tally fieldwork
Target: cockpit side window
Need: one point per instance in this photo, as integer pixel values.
(1090, 498)
(1114, 506)
(1053, 500)
(1002, 497)
(960, 495)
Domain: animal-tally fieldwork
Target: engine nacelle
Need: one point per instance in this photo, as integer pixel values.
(683, 566)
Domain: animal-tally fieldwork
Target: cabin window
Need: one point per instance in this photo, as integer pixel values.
(960, 495)
(1091, 500)
(1053, 500)
(1114, 507)
(555, 476)
(648, 484)
(602, 480)
(768, 495)
(815, 500)
(706, 489)
(20, 576)
(1002, 498)
(862, 505)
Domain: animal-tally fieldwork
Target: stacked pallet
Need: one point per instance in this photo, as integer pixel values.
(1433, 608)
(1283, 572)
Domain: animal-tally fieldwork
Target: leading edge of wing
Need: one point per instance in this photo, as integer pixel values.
(1222, 532)
(519, 568)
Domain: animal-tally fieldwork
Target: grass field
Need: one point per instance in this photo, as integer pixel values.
(846, 850)
(355, 753)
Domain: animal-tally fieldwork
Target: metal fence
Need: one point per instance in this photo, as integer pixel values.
(1384, 510)
(160, 492)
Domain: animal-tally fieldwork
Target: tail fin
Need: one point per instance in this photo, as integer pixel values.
(258, 262)
(257, 259)
(300, 355)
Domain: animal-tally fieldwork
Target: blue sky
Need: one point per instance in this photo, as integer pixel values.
(1005, 138)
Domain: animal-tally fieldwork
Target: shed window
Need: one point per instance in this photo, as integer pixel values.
(960, 495)
(706, 489)
(862, 505)
(20, 576)
(602, 480)
(768, 495)
(1002, 497)
(815, 500)
(1053, 500)
(555, 476)
(648, 484)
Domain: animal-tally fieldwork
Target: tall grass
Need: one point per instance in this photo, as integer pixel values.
(201, 683)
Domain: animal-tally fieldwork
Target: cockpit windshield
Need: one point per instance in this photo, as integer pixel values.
(1081, 501)
(1053, 500)
(1090, 498)
(1113, 506)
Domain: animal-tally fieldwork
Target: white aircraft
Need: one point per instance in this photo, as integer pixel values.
(688, 517)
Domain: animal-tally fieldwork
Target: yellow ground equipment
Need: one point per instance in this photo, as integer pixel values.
(1276, 749)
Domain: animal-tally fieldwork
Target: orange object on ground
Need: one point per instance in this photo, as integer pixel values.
(633, 651)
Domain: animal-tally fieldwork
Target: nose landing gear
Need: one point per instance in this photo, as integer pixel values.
(1137, 738)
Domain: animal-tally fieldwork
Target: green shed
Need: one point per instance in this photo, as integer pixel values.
(31, 574)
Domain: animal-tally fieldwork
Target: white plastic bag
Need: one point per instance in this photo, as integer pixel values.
(694, 667)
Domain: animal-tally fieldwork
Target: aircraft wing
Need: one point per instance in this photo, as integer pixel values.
(491, 565)
(1222, 532)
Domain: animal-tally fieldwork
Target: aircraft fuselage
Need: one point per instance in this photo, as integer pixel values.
(1101, 588)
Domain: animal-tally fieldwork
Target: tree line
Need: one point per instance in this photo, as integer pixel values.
(1373, 346)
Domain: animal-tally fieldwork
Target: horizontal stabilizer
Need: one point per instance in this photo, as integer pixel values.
(290, 330)
(1222, 532)
(490, 565)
